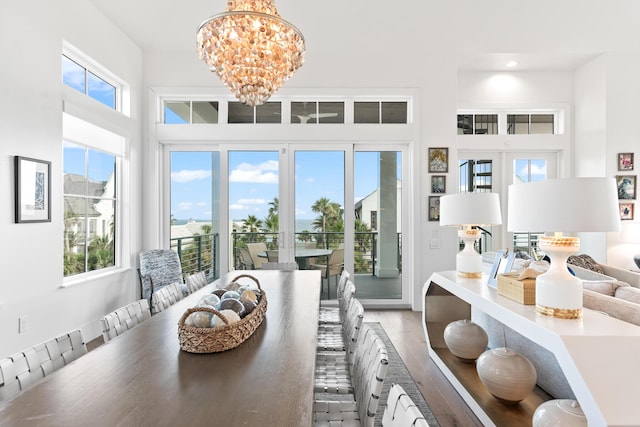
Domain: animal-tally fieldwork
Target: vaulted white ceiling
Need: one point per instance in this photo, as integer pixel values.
(541, 35)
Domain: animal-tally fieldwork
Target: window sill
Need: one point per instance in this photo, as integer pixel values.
(92, 276)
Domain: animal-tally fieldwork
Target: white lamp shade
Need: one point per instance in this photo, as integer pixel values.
(564, 205)
(470, 209)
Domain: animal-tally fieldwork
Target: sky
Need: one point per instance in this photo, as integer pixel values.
(253, 181)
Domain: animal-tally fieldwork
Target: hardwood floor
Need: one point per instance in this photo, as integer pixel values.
(404, 328)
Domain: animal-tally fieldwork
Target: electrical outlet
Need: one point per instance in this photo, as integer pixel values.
(22, 324)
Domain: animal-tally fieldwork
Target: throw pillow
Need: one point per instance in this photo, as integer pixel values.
(605, 287)
(585, 261)
(628, 293)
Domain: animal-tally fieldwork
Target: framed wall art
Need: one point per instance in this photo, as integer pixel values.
(626, 187)
(626, 211)
(32, 190)
(625, 161)
(434, 208)
(438, 183)
(438, 159)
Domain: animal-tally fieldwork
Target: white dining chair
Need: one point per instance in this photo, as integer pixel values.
(121, 320)
(71, 345)
(55, 355)
(333, 366)
(46, 364)
(368, 374)
(331, 315)
(196, 281)
(401, 411)
(9, 385)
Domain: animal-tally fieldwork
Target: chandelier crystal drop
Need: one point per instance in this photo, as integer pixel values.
(251, 49)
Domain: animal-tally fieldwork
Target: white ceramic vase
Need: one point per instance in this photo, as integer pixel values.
(507, 374)
(559, 413)
(465, 339)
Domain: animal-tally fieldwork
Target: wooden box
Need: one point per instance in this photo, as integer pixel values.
(522, 291)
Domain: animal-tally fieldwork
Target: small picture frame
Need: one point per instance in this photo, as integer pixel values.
(501, 264)
(625, 161)
(32, 190)
(438, 159)
(438, 184)
(434, 208)
(626, 187)
(626, 211)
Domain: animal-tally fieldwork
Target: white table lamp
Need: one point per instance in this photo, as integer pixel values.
(470, 210)
(562, 205)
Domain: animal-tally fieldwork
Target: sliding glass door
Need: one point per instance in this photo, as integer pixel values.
(237, 207)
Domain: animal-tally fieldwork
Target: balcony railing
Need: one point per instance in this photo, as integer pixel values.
(365, 246)
(198, 253)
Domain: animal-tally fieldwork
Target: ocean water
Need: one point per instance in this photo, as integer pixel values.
(301, 224)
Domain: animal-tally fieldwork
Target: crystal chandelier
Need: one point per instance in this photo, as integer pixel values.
(251, 49)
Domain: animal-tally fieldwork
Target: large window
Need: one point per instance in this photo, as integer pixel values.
(90, 203)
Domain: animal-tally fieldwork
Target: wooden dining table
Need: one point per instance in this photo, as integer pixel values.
(142, 378)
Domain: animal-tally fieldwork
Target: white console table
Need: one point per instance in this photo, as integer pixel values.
(598, 354)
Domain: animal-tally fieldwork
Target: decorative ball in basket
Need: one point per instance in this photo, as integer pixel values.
(212, 329)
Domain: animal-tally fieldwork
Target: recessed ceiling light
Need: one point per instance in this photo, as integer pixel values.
(512, 64)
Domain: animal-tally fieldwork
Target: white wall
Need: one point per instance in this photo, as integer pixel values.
(31, 39)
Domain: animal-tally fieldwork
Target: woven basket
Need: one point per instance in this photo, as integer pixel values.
(222, 338)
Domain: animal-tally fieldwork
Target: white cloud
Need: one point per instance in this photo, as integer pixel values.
(236, 207)
(252, 201)
(310, 180)
(185, 206)
(190, 175)
(535, 170)
(264, 173)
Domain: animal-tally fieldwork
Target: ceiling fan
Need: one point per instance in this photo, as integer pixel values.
(304, 118)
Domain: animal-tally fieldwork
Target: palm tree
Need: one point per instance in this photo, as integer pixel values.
(251, 224)
(323, 207)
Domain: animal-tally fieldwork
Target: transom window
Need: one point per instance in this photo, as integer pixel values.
(88, 82)
(509, 123)
(297, 112)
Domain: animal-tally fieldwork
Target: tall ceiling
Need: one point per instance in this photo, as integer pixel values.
(550, 36)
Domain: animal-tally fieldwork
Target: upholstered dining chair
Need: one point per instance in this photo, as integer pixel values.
(400, 411)
(158, 268)
(333, 267)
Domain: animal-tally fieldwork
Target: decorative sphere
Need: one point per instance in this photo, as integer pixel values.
(233, 305)
(507, 374)
(219, 292)
(210, 300)
(230, 315)
(248, 306)
(249, 296)
(199, 319)
(466, 340)
(559, 413)
(230, 295)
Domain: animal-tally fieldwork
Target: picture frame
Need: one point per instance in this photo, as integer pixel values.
(502, 264)
(626, 211)
(625, 161)
(434, 208)
(438, 159)
(626, 187)
(32, 190)
(438, 184)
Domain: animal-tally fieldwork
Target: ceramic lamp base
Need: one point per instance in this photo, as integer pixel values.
(468, 261)
(558, 293)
